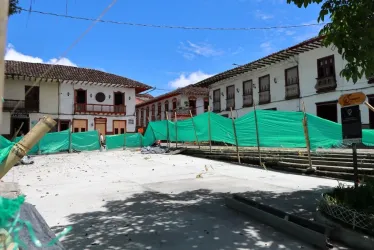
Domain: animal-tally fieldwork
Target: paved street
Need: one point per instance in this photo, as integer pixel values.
(125, 200)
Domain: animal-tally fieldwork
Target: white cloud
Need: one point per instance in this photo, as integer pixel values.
(261, 15)
(184, 80)
(190, 50)
(267, 47)
(12, 54)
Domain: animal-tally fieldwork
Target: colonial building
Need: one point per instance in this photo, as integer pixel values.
(88, 99)
(305, 73)
(180, 104)
(140, 98)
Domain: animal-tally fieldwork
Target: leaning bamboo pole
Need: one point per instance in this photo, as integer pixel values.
(194, 129)
(236, 137)
(307, 138)
(4, 7)
(257, 135)
(167, 127)
(176, 129)
(209, 131)
(20, 149)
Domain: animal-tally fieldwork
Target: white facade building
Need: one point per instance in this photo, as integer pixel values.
(305, 73)
(84, 99)
(180, 104)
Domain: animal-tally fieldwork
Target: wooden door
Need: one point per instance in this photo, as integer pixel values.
(100, 125)
(79, 125)
(119, 127)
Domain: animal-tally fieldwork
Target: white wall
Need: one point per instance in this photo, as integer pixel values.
(181, 99)
(307, 63)
(67, 104)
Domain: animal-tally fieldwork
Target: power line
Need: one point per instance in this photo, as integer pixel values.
(171, 26)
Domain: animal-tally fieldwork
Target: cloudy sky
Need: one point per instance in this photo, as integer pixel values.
(161, 57)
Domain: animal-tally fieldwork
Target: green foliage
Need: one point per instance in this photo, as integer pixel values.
(351, 31)
(361, 198)
(13, 4)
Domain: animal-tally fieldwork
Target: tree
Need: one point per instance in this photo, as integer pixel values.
(351, 31)
(13, 7)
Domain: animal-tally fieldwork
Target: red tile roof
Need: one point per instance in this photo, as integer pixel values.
(69, 73)
(282, 55)
(189, 90)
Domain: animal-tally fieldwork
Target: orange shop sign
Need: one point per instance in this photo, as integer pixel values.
(352, 99)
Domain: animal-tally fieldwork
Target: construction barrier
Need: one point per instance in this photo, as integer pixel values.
(274, 129)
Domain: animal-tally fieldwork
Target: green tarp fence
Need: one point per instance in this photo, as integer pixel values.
(275, 129)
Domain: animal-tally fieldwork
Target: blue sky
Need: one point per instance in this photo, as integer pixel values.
(164, 58)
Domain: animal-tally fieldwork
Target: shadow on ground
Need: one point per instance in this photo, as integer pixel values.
(189, 220)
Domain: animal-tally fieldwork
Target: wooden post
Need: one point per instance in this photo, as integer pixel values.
(167, 127)
(369, 106)
(306, 134)
(20, 149)
(70, 137)
(209, 132)
(176, 129)
(236, 137)
(257, 135)
(124, 141)
(194, 128)
(4, 7)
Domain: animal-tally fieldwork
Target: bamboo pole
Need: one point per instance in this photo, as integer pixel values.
(236, 137)
(194, 128)
(176, 129)
(70, 137)
(167, 127)
(4, 7)
(257, 134)
(307, 140)
(369, 106)
(20, 149)
(17, 132)
(209, 132)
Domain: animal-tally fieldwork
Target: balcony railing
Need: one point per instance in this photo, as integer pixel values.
(185, 112)
(21, 105)
(264, 97)
(230, 103)
(216, 106)
(247, 100)
(292, 91)
(326, 84)
(99, 109)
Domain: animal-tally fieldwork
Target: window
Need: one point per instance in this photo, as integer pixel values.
(122, 130)
(326, 67)
(153, 112)
(264, 92)
(247, 93)
(141, 118)
(174, 104)
(217, 100)
(292, 83)
(166, 106)
(230, 97)
(100, 97)
(192, 104)
(206, 105)
(159, 110)
(147, 114)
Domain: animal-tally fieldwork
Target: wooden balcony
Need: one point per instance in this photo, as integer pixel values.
(326, 84)
(82, 108)
(264, 97)
(183, 113)
(247, 100)
(10, 105)
(292, 91)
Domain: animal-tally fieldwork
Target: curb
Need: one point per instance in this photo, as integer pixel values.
(348, 237)
(310, 232)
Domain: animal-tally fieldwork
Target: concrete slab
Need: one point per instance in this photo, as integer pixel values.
(9, 190)
(125, 200)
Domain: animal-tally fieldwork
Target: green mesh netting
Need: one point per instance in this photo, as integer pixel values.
(85, 141)
(11, 224)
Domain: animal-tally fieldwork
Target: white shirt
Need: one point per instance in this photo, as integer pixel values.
(101, 138)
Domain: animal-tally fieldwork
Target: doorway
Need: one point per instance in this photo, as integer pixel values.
(100, 125)
(64, 125)
(119, 102)
(32, 98)
(17, 122)
(119, 127)
(80, 100)
(371, 113)
(192, 105)
(328, 110)
(80, 125)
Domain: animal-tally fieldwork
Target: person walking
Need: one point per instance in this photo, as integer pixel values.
(102, 141)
